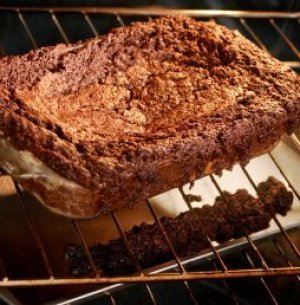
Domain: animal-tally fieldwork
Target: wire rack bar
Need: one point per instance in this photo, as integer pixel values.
(226, 286)
(151, 295)
(159, 11)
(131, 253)
(271, 295)
(283, 255)
(27, 30)
(85, 248)
(253, 35)
(111, 298)
(126, 243)
(59, 27)
(90, 24)
(285, 38)
(34, 232)
(148, 278)
(120, 20)
(166, 237)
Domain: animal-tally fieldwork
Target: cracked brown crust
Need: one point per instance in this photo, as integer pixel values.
(146, 107)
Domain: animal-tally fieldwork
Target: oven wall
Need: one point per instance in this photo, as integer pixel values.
(291, 5)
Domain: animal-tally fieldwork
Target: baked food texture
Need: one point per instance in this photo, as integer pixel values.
(102, 124)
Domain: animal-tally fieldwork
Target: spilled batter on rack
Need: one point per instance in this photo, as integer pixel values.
(231, 217)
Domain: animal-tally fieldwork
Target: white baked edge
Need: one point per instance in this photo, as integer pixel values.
(23, 165)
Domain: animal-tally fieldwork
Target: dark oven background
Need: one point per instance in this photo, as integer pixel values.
(215, 4)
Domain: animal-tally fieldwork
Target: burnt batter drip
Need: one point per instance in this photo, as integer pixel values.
(230, 217)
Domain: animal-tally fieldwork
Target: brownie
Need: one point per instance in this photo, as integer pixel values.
(141, 110)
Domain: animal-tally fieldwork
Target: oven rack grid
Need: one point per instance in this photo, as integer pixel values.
(221, 271)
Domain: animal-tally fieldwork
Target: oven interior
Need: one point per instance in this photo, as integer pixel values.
(32, 240)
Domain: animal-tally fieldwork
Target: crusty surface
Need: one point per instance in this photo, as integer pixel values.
(147, 107)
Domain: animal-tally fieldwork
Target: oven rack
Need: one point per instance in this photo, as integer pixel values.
(221, 271)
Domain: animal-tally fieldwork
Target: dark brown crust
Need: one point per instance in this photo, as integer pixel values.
(201, 128)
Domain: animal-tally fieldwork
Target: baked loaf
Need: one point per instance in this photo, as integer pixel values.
(101, 124)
